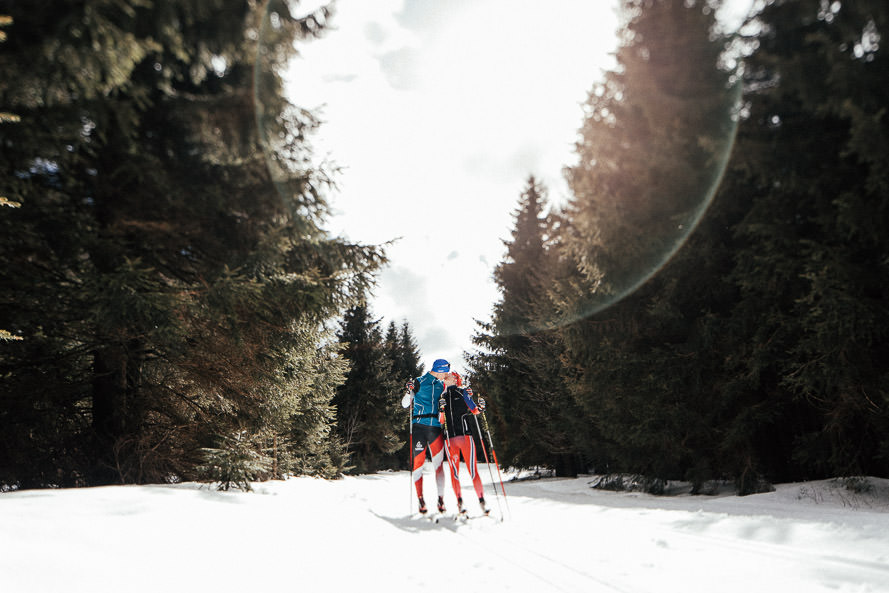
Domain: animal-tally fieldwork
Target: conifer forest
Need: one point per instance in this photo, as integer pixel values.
(711, 303)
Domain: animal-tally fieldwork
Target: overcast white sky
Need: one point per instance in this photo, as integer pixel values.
(438, 112)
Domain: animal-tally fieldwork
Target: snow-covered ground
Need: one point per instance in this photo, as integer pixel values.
(357, 534)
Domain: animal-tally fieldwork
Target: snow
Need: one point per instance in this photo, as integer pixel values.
(359, 534)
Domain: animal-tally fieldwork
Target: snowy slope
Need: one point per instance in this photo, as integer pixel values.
(357, 534)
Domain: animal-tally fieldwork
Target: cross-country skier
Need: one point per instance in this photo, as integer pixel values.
(426, 428)
(457, 409)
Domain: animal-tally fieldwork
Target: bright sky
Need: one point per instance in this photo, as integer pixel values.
(439, 112)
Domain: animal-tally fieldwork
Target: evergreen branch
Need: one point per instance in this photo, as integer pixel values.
(6, 336)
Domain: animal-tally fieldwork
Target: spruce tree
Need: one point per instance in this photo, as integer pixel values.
(5, 117)
(368, 410)
(753, 354)
(517, 366)
(409, 353)
(652, 141)
(169, 258)
(403, 356)
(402, 352)
(499, 371)
(811, 322)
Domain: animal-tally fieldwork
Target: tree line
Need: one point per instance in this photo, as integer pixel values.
(756, 353)
(166, 273)
(167, 268)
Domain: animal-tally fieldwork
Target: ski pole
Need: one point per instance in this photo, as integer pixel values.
(496, 463)
(481, 439)
(488, 463)
(444, 429)
(409, 398)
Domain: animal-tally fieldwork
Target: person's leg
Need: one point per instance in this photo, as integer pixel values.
(453, 450)
(436, 448)
(469, 454)
(418, 446)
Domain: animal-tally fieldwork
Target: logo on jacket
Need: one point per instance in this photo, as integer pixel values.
(419, 446)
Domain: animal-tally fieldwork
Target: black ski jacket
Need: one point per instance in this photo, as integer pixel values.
(458, 411)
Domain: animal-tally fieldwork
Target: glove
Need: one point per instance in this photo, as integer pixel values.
(481, 404)
(468, 391)
(409, 385)
(441, 405)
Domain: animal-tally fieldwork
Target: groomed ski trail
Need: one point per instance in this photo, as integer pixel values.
(615, 542)
(359, 533)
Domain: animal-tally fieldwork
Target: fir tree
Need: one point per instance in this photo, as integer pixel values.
(403, 356)
(5, 21)
(169, 255)
(654, 134)
(368, 402)
(810, 398)
(752, 355)
(517, 368)
(402, 352)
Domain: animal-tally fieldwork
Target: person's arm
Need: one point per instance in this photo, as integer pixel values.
(442, 400)
(409, 394)
(467, 397)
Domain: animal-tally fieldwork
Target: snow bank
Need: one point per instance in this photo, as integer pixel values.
(358, 534)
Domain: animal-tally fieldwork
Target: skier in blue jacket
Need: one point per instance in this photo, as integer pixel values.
(424, 392)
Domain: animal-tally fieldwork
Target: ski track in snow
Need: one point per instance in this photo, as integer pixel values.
(739, 550)
(360, 533)
(615, 542)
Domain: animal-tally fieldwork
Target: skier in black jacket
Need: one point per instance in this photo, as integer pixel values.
(457, 411)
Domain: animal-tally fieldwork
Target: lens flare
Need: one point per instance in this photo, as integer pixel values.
(653, 145)
(653, 148)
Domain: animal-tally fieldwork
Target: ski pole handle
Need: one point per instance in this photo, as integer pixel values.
(409, 393)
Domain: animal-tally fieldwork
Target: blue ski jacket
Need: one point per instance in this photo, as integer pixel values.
(427, 390)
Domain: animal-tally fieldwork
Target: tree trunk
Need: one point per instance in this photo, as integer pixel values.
(566, 465)
(115, 380)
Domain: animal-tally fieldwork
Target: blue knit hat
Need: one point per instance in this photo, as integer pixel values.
(441, 366)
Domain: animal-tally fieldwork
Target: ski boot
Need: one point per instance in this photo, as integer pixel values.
(460, 509)
(423, 508)
(481, 503)
(441, 506)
